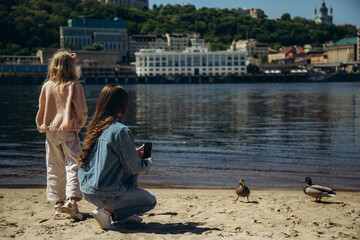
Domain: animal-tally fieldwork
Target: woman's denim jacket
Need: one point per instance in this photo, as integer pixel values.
(111, 162)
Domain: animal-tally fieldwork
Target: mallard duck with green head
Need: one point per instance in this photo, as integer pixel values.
(317, 191)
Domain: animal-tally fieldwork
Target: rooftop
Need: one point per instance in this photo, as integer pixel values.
(344, 41)
(97, 23)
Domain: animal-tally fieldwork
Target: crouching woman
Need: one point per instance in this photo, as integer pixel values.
(110, 163)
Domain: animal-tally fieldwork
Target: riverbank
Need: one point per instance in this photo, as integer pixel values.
(35, 79)
(191, 214)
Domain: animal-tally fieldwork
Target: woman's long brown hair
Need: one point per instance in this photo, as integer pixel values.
(112, 103)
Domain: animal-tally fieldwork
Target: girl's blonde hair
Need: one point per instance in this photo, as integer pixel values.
(62, 69)
(112, 103)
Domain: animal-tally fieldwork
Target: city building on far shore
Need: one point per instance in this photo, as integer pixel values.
(193, 61)
(252, 12)
(177, 41)
(169, 42)
(111, 35)
(344, 50)
(16, 59)
(323, 16)
(93, 64)
(252, 46)
(138, 42)
(317, 58)
(358, 45)
(256, 12)
(25, 64)
(287, 55)
(240, 11)
(189, 5)
(140, 4)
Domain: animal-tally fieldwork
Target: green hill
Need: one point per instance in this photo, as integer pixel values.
(27, 25)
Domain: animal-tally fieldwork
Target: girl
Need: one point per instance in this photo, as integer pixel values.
(110, 163)
(62, 113)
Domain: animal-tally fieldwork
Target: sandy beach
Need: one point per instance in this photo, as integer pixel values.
(191, 214)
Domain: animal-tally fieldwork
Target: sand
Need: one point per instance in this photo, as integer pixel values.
(191, 214)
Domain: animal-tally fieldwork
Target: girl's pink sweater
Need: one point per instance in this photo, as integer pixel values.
(66, 111)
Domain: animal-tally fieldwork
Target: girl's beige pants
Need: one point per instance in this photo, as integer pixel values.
(62, 149)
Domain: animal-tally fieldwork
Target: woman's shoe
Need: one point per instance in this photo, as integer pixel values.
(103, 218)
(71, 208)
(132, 219)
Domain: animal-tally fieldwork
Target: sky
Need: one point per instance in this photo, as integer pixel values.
(344, 11)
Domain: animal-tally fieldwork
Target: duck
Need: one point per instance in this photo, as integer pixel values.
(242, 190)
(317, 191)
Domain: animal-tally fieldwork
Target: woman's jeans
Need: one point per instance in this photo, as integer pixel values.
(133, 201)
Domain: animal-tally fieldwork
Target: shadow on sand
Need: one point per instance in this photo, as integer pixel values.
(86, 216)
(329, 202)
(254, 202)
(159, 228)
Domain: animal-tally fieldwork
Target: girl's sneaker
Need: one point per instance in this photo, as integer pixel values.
(58, 208)
(71, 208)
(103, 218)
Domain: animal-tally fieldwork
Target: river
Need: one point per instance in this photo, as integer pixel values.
(211, 135)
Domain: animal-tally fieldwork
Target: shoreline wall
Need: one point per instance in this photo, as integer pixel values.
(30, 79)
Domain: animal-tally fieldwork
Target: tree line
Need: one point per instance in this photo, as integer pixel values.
(27, 25)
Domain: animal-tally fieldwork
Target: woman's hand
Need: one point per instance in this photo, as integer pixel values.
(140, 151)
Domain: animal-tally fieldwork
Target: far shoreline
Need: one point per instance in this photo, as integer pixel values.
(163, 186)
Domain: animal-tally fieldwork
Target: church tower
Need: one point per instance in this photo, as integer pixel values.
(324, 17)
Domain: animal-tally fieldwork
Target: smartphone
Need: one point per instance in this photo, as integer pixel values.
(147, 150)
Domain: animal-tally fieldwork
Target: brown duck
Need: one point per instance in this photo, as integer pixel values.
(242, 190)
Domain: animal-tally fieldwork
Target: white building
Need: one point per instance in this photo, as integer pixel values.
(140, 4)
(256, 12)
(194, 60)
(188, 5)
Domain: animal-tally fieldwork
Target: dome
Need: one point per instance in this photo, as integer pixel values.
(323, 8)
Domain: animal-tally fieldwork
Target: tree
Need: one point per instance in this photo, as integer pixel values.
(28, 25)
(95, 47)
(355, 68)
(286, 17)
(70, 45)
(264, 58)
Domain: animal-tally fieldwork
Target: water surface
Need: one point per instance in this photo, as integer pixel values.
(272, 135)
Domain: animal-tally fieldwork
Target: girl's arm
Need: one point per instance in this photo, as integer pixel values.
(40, 114)
(80, 104)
